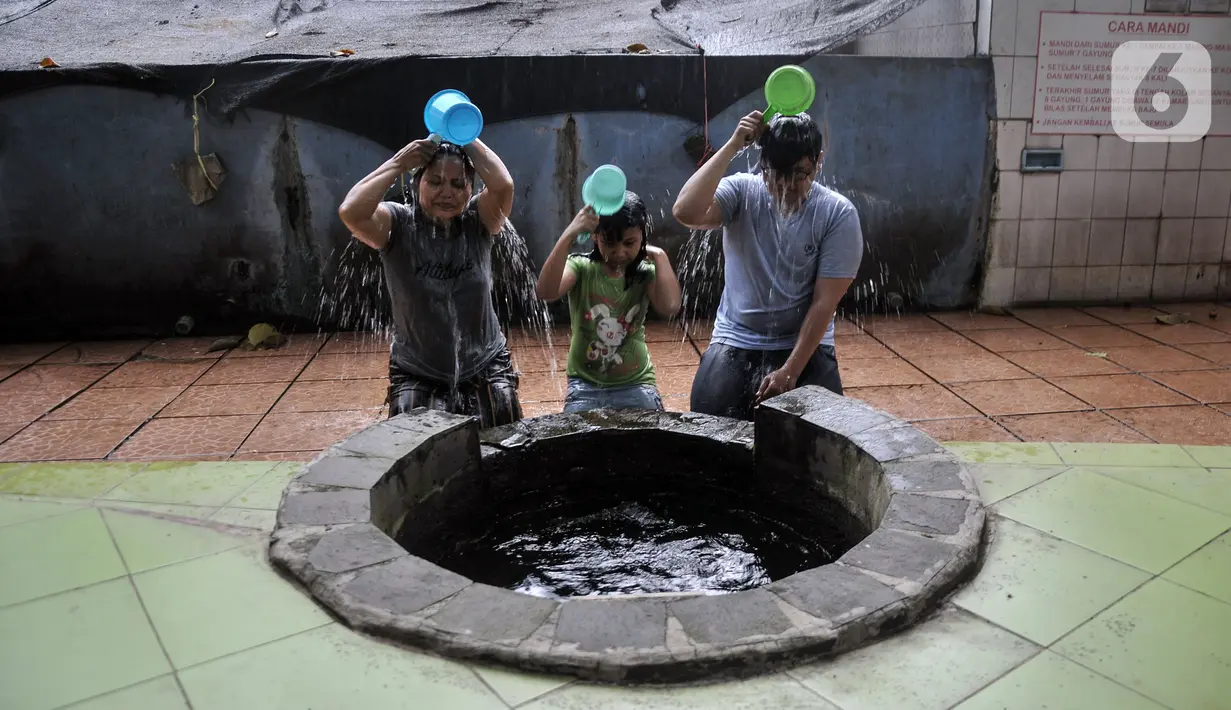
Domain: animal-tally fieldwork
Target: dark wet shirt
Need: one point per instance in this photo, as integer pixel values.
(440, 285)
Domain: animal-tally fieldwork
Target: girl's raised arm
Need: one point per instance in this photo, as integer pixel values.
(554, 280)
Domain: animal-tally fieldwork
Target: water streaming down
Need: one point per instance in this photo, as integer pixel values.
(515, 276)
(701, 266)
(356, 297)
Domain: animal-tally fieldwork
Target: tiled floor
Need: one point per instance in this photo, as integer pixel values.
(1093, 375)
(143, 586)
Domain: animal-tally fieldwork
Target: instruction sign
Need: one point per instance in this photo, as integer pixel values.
(1074, 77)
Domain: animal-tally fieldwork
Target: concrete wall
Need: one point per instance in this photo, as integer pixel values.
(936, 28)
(98, 237)
(1123, 222)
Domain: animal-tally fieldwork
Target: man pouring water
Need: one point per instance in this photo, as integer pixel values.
(791, 248)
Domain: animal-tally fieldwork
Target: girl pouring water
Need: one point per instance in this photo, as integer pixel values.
(610, 291)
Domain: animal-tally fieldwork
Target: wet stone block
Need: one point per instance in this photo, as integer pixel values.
(725, 618)
(599, 625)
(940, 474)
(900, 554)
(345, 549)
(508, 436)
(925, 514)
(406, 585)
(325, 507)
(428, 421)
(555, 426)
(394, 438)
(834, 592)
(848, 419)
(890, 442)
(343, 469)
(492, 614)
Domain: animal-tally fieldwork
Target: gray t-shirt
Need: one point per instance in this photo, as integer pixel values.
(440, 285)
(772, 261)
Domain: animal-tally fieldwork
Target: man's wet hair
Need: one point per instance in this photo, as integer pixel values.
(611, 230)
(787, 140)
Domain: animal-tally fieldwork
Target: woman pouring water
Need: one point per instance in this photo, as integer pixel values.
(448, 352)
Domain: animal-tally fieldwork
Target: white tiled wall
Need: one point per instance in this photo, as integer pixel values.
(1123, 221)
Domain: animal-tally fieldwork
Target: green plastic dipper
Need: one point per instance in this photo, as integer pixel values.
(789, 91)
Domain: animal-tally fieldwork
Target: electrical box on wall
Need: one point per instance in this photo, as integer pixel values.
(1042, 160)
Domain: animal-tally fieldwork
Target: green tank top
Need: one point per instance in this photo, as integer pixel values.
(608, 324)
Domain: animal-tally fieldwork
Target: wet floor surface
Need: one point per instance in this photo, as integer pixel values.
(136, 585)
(1111, 375)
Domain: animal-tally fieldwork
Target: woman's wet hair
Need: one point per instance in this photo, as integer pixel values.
(611, 230)
(787, 140)
(445, 150)
(448, 150)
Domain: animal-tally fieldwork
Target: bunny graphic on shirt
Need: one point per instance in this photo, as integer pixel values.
(611, 330)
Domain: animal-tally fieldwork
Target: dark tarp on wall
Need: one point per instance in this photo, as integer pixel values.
(179, 47)
(180, 32)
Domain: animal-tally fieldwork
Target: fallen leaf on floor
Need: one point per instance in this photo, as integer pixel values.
(1172, 318)
(1102, 355)
(271, 33)
(637, 48)
(262, 336)
(341, 52)
(48, 63)
(231, 341)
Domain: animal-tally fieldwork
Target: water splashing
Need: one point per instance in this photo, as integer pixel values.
(355, 298)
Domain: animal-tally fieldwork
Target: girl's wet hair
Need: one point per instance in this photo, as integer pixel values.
(787, 140)
(611, 230)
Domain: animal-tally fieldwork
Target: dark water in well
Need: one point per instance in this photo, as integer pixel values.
(666, 541)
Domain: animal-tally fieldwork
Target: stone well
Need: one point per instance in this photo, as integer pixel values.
(914, 505)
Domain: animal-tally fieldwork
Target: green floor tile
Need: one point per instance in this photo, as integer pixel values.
(779, 692)
(517, 688)
(14, 511)
(996, 452)
(246, 518)
(158, 694)
(266, 493)
(67, 480)
(188, 483)
(1164, 641)
(1202, 487)
(76, 645)
(1130, 524)
(1207, 570)
(55, 554)
(332, 668)
(1211, 456)
(930, 667)
(188, 512)
(998, 481)
(1124, 455)
(1041, 587)
(223, 603)
(146, 542)
(1051, 682)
